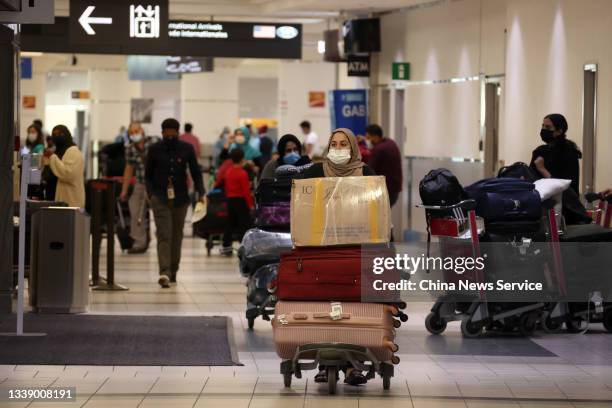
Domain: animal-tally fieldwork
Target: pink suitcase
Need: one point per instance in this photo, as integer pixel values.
(368, 325)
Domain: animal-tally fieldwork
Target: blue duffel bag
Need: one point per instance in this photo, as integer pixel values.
(505, 199)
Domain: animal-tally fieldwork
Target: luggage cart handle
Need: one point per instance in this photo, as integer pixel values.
(591, 197)
(465, 204)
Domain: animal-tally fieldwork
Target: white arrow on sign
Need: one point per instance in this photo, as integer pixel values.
(86, 20)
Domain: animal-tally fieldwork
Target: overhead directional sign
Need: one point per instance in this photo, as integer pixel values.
(86, 20)
(143, 36)
(125, 23)
(142, 27)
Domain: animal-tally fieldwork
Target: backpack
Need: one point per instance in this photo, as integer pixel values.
(518, 170)
(440, 187)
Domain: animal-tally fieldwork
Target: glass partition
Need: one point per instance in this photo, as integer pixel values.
(467, 171)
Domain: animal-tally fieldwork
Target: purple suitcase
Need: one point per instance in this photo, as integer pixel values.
(273, 215)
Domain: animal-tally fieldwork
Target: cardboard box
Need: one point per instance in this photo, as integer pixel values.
(340, 211)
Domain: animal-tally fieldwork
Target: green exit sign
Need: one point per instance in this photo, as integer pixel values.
(401, 71)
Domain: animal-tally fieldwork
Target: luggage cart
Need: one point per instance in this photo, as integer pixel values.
(336, 357)
(450, 225)
(596, 309)
(212, 226)
(260, 298)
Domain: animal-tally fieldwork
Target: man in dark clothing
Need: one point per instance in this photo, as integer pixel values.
(166, 180)
(386, 160)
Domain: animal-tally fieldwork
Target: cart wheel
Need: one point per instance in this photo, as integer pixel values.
(386, 382)
(528, 323)
(332, 379)
(403, 317)
(434, 323)
(575, 324)
(287, 379)
(209, 246)
(549, 324)
(470, 329)
(607, 320)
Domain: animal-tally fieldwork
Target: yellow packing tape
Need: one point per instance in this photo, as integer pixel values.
(373, 211)
(318, 214)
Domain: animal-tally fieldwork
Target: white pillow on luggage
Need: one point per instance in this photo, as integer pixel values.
(551, 187)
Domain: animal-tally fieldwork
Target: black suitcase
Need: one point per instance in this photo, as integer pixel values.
(586, 233)
(273, 190)
(216, 215)
(122, 229)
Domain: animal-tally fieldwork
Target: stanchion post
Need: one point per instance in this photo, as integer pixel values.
(110, 234)
(96, 224)
(109, 200)
(26, 177)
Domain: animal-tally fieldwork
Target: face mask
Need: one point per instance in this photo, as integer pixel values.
(60, 140)
(32, 137)
(136, 138)
(240, 139)
(53, 148)
(170, 141)
(369, 144)
(339, 156)
(291, 158)
(547, 135)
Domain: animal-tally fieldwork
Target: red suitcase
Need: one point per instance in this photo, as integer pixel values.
(368, 325)
(333, 274)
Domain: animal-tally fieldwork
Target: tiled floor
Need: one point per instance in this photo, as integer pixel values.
(443, 371)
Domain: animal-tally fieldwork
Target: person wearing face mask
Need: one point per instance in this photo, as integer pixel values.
(252, 156)
(166, 179)
(341, 159)
(558, 157)
(67, 164)
(289, 152)
(135, 159)
(35, 141)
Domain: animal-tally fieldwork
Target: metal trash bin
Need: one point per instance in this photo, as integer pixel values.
(59, 264)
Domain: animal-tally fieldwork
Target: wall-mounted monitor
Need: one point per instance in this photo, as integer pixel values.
(361, 36)
(334, 46)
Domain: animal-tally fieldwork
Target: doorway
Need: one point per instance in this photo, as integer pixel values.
(589, 120)
(492, 95)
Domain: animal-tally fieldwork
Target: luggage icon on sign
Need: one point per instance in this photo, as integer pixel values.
(144, 21)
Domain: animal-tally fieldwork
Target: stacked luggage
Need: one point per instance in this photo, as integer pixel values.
(258, 256)
(526, 238)
(337, 225)
(260, 249)
(212, 226)
(585, 254)
(510, 212)
(273, 197)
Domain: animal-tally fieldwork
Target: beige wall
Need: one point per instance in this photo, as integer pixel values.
(549, 41)
(542, 55)
(296, 80)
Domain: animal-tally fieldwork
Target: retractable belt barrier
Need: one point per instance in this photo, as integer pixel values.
(103, 197)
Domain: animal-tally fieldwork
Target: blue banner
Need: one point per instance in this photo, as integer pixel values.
(26, 68)
(349, 109)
